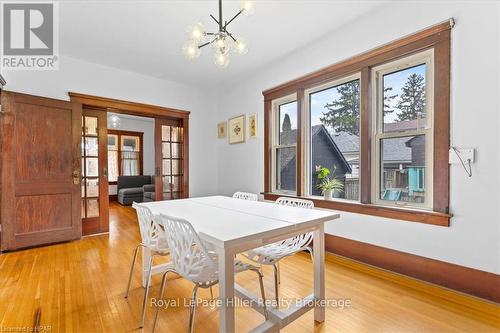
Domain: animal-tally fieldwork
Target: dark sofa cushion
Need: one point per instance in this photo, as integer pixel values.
(132, 181)
(131, 191)
(149, 195)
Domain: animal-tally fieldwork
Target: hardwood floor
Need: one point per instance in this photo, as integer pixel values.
(79, 287)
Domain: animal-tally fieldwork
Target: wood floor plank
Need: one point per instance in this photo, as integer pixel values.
(79, 287)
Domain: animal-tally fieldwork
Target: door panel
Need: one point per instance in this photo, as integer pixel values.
(94, 202)
(39, 200)
(171, 160)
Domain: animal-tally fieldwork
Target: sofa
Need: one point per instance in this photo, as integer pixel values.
(131, 188)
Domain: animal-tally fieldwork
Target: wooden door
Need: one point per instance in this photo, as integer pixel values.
(94, 182)
(40, 171)
(171, 159)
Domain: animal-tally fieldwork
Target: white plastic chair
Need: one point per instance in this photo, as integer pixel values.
(246, 196)
(271, 254)
(191, 260)
(151, 239)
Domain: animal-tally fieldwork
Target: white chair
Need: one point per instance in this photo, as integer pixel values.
(246, 196)
(153, 240)
(191, 260)
(271, 254)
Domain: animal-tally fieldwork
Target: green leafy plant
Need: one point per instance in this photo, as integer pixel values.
(327, 180)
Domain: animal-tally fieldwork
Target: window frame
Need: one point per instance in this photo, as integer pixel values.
(119, 134)
(436, 37)
(275, 142)
(306, 129)
(425, 57)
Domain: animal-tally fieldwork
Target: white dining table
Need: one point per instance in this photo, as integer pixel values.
(232, 226)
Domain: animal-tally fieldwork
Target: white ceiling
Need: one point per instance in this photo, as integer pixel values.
(147, 36)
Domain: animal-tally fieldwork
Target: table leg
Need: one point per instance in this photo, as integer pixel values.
(226, 292)
(319, 271)
(146, 254)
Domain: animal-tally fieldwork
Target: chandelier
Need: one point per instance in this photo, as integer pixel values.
(223, 42)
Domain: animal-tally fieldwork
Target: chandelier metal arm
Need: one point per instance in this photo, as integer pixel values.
(231, 20)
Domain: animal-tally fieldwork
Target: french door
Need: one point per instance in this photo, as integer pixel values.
(171, 159)
(94, 177)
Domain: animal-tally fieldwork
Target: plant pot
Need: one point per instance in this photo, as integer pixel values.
(328, 194)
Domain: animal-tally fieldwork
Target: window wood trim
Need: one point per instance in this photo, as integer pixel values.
(121, 133)
(437, 37)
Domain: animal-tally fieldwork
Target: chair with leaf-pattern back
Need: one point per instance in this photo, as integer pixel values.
(271, 254)
(152, 240)
(191, 260)
(246, 196)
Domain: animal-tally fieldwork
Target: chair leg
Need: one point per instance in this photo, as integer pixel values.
(192, 308)
(262, 292)
(279, 272)
(146, 292)
(160, 296)
(132, 269)
(276, 287)
(211, 293)
(310, 250)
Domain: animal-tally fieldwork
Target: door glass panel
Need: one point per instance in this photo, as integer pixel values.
(92, 166)
(175, 167)
(166, 150)
(171, 162)
(166, 167)
(92, 187)
(90, 128)
(91, 147)
(93, 207)
(165, 133)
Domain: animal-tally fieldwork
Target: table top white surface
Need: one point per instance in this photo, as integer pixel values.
(224, 220)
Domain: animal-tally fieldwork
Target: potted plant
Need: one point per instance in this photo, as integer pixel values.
(328, 183)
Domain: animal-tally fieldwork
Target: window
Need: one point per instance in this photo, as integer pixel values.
(333, 137)
(402, 148)
(285, 145)
(125, 155)
(380, 120)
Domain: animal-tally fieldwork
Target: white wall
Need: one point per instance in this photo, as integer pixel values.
(474, 236)
(89, 78)
(147, 127)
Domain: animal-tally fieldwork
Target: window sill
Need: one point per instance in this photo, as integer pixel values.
(405, 214)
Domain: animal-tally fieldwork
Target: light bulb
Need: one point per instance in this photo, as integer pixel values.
(196, 32)
(221, 60)
(114, 121)
(191, 50)
(248, 7)
(241, 46)
(221, 45)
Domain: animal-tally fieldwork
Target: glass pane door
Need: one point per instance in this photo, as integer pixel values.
(90, 167)
(171, 161)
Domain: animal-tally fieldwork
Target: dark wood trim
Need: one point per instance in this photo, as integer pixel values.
(464, 279)
(436, 37)
(412, 215)
(121, 133)
(113, 197)
(365, 138)
(268, 110)
(120, 106)
(359, 61)
(441, 175)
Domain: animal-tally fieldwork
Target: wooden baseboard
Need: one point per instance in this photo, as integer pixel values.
(463, 279)
(478, 306)
(113, 197)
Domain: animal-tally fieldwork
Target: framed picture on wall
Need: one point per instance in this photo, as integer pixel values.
(236, 129)
(252, 126)
(222, 130)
